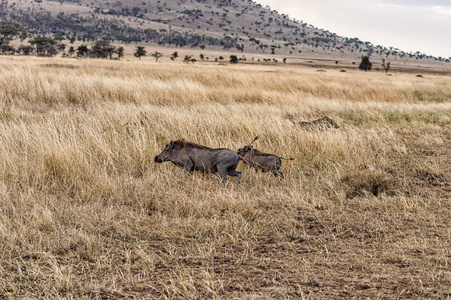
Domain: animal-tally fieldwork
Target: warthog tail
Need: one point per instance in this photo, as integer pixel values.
(256, 138)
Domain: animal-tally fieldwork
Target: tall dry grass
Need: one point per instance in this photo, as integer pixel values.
(80, 82)
(363, 212)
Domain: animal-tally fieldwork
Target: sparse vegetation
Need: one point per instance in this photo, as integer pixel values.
(386, 66)
(103, 49)
(9, 30)
(45, 46)
(82, 51)
(120, 52)
(174, 55)
(365, 64)
(140, 52)
(245, 26)
(157, 55)
(363, 211)
(233, 59)
(71, 51)
(188, 59)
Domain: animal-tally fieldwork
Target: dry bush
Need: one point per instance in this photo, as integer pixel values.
(86, 213)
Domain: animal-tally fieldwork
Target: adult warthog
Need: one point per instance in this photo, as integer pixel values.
(261, 160)
(191, 156)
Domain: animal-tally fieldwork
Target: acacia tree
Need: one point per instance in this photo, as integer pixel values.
(71, 50)
(157, 55)
(25, 49)
(7, 49)
(140, 51)
(82, 50)
(8, 29)
(61, 47)
(174, 55)
(45, 46)
(188, 59)
(386, 66)
(365, 64)
(120, 52)
(103, 49)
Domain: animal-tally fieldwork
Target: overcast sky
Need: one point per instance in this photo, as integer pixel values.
(410, 25)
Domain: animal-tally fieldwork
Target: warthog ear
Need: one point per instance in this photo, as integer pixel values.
(172, 144)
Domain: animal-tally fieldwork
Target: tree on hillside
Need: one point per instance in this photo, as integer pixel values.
(386, 66)
(25, 49)
(365, 64)
(273, 49)
(103, 49)
(82, 51)
(157, 55)
(140, 51)
(120, 52)
(8, 30)
(71, 50)
(174, 55)
(188, 59)
(45, 46)
(61, 47)
(7, 49)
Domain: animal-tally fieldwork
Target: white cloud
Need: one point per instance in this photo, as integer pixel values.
(421, 3)
(442, 10)
(410, 25)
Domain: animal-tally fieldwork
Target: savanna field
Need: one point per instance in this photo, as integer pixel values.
(85, 212)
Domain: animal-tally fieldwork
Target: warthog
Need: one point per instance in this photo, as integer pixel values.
(321, 124)
(191, 156)
(261, 160)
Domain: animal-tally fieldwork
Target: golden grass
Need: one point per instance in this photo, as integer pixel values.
(86, 213)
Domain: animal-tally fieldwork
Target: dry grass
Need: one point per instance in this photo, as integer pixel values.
(364, 211)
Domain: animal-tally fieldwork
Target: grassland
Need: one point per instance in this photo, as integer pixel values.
(364, 211)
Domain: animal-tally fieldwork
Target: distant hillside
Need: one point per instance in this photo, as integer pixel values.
(239, 25)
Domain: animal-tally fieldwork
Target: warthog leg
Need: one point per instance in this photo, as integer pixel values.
(235, 173)
(278, 173)
(189, 167)
(223, 173)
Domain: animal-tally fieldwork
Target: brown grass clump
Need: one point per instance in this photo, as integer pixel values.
(364, 210)
(369, 181)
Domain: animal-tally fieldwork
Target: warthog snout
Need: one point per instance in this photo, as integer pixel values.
(158, 159)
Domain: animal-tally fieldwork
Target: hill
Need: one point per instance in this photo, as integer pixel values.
(238, 25)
